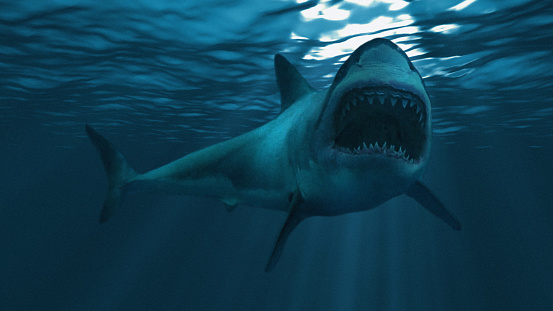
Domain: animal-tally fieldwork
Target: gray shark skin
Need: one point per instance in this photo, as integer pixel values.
(361, 142)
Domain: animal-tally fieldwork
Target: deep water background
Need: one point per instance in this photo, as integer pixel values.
(164, 78)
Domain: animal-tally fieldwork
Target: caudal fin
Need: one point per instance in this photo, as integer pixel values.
(117, 169)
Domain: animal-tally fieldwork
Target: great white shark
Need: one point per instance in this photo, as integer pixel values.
(349, 148)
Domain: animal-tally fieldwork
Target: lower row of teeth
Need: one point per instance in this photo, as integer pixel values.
(389, 150)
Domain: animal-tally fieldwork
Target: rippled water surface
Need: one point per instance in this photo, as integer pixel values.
(164, 78)
(162, 71)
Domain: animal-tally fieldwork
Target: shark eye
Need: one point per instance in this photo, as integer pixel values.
(381, 120)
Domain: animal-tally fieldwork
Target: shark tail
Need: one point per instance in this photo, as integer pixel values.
(117, 169)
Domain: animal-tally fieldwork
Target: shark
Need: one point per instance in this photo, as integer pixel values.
(348, 148)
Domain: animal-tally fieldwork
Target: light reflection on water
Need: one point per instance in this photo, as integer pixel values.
(163, 66)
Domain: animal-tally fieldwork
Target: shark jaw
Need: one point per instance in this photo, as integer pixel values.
(381, 121)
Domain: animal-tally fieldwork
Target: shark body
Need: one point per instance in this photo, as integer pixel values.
(361, 142)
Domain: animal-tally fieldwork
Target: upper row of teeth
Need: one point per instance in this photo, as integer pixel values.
(381, 97)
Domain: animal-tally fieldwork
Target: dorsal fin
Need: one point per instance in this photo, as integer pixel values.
(291, 83)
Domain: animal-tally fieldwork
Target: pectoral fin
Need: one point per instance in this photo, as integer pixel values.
(294, 218)
(422, 194)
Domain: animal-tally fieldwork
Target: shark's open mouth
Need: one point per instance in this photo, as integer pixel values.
(381, 121)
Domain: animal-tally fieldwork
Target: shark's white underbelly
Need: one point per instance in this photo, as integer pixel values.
(221, 189)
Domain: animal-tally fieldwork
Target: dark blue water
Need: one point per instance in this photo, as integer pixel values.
(162, 79)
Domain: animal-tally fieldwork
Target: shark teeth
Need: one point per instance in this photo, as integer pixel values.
(393, 99)
(382, 148)
(381, 121)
